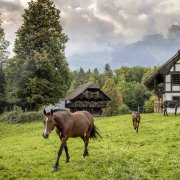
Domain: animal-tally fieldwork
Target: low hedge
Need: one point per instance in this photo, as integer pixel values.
(21, 117)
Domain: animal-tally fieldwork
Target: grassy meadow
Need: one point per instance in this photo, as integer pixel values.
(153, 153)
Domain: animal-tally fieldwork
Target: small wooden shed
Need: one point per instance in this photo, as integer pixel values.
(87, 97)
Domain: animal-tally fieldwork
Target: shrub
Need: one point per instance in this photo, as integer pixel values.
(21, 117)
(123, 109)
(149, 105)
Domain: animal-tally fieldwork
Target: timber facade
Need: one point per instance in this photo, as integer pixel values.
(165, 82)
(87, 97)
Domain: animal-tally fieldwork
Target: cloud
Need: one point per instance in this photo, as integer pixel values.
(98, 26)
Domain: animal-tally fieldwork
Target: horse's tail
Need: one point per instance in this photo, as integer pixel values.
(95, 133)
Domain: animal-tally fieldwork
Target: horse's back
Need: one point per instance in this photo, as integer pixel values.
(167, 103)
(82, 121)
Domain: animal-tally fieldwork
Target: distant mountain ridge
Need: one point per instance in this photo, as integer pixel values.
(151, 51)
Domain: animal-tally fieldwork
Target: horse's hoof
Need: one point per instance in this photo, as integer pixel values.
(68, 160)
(54, 169)
(85, 155)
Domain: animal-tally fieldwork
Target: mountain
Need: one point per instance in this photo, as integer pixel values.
(151, 51)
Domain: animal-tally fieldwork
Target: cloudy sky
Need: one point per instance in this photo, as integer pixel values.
(97, 27)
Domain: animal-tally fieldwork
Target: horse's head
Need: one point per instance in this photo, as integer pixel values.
(138, 116)
(49, 123)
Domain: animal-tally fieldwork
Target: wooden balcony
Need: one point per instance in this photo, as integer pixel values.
(85, 105)
(90, 95)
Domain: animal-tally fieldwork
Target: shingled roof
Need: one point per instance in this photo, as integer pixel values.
(80, 89)
(163, 70)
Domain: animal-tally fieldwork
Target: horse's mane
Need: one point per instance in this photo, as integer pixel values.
(55, 110)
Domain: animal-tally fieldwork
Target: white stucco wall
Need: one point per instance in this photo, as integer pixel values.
(177, 66)
(168, 78)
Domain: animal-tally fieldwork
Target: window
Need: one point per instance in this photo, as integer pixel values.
(175, 79)
(176, 98)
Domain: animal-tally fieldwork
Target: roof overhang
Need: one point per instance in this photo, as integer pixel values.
(161, 71)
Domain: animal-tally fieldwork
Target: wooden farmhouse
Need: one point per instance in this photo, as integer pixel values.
(166, 82)
(87, 97)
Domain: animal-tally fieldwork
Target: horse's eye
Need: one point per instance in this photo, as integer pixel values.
(50, 121)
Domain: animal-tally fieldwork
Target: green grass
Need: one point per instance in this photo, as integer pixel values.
(153, 153)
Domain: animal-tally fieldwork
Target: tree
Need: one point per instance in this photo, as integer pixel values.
(3, 59)
(113, 92)
(40, 57)
(131, 73)
(134, 94)
(107, 67)
(96, 71)
(12, 79)
(149, 104)
(108, 73)
(148, 71)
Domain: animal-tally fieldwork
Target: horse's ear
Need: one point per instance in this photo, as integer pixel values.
(51, 112)
(44, 112)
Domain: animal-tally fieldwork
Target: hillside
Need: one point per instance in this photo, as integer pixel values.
(120, 154)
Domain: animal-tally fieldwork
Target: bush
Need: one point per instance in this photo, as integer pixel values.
(149, 105)
(123, 109)
(17, 116)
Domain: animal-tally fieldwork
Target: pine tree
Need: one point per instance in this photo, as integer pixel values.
(3, 58)
(108, 73)
(43, 72)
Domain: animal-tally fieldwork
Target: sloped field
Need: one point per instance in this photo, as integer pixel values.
(153, 153)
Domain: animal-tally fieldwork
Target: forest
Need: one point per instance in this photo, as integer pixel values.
(38, 74)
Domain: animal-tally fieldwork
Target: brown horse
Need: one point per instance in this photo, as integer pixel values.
(78, 124)
(171, 104)
(136, 120)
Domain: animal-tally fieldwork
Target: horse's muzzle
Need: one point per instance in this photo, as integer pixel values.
(45, 136)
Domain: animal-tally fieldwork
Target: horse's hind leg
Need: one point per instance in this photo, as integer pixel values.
(67, 153)
(84, 138)
(175, 110)
(165, 111)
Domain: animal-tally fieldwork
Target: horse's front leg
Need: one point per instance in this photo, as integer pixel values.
(63, 143)
(65, 146)
(133, 124)
(137, 127)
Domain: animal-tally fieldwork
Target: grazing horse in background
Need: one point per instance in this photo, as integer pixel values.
(136, 120)
(78, 124)
(171, 104)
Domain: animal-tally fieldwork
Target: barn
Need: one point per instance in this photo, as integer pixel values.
(87, 97)
(165, 82)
